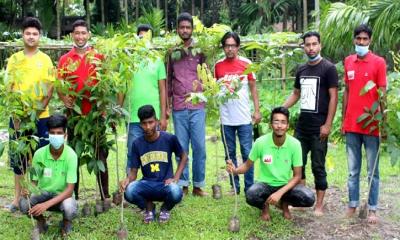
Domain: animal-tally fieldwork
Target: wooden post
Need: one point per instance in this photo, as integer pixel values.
(283, 73)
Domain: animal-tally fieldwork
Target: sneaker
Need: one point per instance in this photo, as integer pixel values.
(148, 217)
(164, 216)
(199, 192)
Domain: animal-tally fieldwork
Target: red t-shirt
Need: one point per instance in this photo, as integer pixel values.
(357, 72)
(81, 72)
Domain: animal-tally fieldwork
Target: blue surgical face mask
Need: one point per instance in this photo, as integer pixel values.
(362, 50)
(315, 58)
(56, 140)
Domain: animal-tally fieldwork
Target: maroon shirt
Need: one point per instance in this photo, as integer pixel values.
(181, 75)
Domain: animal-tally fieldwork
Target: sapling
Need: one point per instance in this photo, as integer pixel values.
(117, 196)
(122, 232)
(216, 188)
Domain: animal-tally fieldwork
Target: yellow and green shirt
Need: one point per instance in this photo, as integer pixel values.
(32, 75)
(54, 175)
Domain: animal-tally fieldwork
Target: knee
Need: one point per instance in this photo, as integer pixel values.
(307, 197)
(253, 196)
(131, 192)
(69, 208)
(175, 193)
(23, 205)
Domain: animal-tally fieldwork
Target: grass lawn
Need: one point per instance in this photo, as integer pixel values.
(194, 218)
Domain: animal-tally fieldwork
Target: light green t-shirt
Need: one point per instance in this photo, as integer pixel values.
(54, 175)
(275, 164)
(144, 87)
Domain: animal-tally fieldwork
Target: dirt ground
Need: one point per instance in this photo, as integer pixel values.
(333, 225)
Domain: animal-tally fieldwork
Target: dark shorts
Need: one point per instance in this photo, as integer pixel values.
(20, 160)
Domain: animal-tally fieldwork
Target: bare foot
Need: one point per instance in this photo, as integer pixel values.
(287, 215)
(372, 217)
(350, 212)
(265, 217)
(319, 211)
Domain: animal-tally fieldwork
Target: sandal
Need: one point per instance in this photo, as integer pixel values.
(164, 216)
(148, 217)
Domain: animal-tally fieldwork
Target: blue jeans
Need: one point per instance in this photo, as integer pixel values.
(134, 131)
(244, 133)
(68, 207)
(353, 148)
(142, 191)
(190, 125)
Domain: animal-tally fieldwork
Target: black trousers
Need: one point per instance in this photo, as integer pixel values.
(299, 196)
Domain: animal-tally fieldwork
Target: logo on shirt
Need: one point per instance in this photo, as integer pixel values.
(350, 75)
(267, 159)
(47, 172)
(154, 167)
(154, 156)
(309, 94)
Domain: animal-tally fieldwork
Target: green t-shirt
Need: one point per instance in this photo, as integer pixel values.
(144, 87)
(54, 175)
(275, 164)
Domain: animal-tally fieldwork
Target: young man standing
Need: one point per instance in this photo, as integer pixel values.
(153, 153)
(279, 159)
(189, 119)
(146, 87)
(31, 72)
(78, 66)
(316, 87)
(55, 167)
(236, 117)
(361, 68)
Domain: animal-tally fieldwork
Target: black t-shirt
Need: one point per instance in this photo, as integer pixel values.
(314, 82)
(154, 158)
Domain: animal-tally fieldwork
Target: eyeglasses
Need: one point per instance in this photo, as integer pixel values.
(230, 46)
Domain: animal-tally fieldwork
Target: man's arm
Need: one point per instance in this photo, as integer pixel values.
(292, 99)
(276, 196)
(333, 100)
(132, 176)
(168, 85)
(243, 168)
(40, 208)
(47, 98)
(344, 105)
(253, 89)
(179, 170)
(120, 99)
(163, 104)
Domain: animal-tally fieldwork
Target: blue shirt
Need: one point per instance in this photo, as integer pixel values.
(154, 158)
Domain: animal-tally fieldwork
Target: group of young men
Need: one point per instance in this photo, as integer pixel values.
(281, 158)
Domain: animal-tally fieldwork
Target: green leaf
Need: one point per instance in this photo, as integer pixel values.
(77, 109)
(368, 86)
(367, 123)
(2, 147)
(375, 106)
(362, 117)
(100, 166)
(373, 128)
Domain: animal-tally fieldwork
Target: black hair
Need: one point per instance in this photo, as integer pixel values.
(184, 17)
(233, 35)
(146, 112)
(31, 22)
(57, 121)
(143, 27)
(362, 28)
(80, 23)
(281, 110)
(311, 34)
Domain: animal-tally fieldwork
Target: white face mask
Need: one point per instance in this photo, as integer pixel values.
(81, 47)
(56, 140)
(361, 50)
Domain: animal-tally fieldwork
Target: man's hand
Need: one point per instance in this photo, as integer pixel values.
(230, 168)
(24, 192)
(38, 209)
(274, 198)
(123, 184)
(325, 130)
(256, 117)
(163, 124)
(170, 180)
(68, 101)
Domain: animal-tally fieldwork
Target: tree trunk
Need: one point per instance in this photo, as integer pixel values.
(285, 19)
(201, 10)
(305, 16)
(103, 17)
(299, 21)
(137, 3)
(317, 13)
(158, 4)
(193, 7)
(166, 14)
(58, 15)
(126, 11)
(87, 9)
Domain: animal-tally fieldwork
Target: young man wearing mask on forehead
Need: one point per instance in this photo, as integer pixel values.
(78, 66)
(359, 69)
(316, 86)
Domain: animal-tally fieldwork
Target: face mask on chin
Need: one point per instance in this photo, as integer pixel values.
(314, 58)
(81, 47)
(361, 50)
